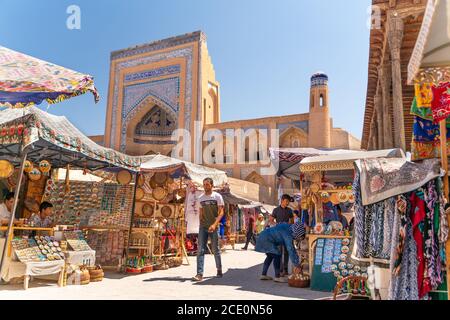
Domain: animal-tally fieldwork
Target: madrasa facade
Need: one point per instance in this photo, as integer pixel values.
(170, 84)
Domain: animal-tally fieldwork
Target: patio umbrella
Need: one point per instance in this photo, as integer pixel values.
(26, 81)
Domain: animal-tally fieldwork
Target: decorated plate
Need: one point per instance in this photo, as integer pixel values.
(351, 272)
(343, 197)
(140, 194)
(166, 211)
(345, 242)
(147, 210)
(345, 249)
(337, 274)
(342, 265)
(159, 193)
(319, 228)
(344, 273)
(334, 267)
(45, 252)
(343, 257)
(350, 266)
(124, 177)
(358, 274)
(357, 268)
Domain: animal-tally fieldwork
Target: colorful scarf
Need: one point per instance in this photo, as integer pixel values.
(441, 102)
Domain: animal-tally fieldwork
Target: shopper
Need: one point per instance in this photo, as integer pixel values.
(250, 232)
(211, 213)
(284, 214)
(269, 242)
(260, 224)
(44, 218)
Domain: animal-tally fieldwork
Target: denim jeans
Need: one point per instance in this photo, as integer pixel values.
(203, 236)
(285, 255)
(276, 264)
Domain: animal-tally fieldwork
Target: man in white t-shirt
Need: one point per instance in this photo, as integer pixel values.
(211, 213)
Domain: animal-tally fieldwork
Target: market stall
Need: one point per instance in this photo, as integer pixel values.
(46, 142)
(401, 228)
(429, 72)
(166, 211)
(326, 188)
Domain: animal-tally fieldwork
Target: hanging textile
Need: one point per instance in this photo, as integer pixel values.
(441, 102)
(403, 266)
(383, 178)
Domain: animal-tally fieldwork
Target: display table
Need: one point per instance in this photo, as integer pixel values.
(312, 238)
(15, 269)
(81, 257)
(16, 228)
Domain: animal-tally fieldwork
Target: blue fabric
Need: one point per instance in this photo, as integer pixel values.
(276, 264)
(203, 236)
(305, 217)
(426, 131)
(270, 240)
(26, 97)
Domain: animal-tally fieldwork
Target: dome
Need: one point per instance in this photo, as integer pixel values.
(319, 79)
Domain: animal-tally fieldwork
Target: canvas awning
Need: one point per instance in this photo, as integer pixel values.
(56, 139)
(431, 55)
(27, 81)
(195, 172)
(288, 160)
(345, 161)
(230, 198)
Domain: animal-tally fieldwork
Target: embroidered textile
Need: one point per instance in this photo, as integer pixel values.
(441, 102)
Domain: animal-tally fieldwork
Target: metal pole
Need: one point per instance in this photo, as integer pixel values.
(444, 159)
(13, 211)
(133, 207)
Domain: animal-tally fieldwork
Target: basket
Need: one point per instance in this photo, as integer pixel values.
(85, 277)
(297, 283)
(132, 270)
(147, 269)
(96, 273)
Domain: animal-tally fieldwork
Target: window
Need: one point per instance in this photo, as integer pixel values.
(322, 100)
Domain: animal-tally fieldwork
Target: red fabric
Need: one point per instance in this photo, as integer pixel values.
(417, 216)
(441, 102)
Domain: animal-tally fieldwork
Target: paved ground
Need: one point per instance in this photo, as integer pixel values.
(240, 282)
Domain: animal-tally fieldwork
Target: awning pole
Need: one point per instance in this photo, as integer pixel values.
(133, 207)
(13, 211)
(444, 159)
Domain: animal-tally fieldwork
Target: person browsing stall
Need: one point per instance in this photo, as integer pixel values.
(211, 213)
(269, 242)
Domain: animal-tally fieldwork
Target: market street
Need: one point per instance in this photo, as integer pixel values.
(240, 282)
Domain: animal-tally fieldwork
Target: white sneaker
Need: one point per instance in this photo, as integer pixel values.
(281, 280)
(265, 278)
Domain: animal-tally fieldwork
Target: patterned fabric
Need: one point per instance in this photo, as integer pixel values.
(298, 230)
(397, 258)
(403, 284)
(31, 124)
(424, 95)
(26, 81)
(384, 178)
(426, 130)
(441, 102)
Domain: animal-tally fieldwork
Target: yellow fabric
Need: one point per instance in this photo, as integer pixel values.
(424, 95)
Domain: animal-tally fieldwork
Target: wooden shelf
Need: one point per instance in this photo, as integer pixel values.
(139, 247)
(335, 190)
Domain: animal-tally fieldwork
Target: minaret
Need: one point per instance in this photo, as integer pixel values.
(319, 135)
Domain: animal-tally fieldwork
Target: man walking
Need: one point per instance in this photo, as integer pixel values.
(211, 213)
(284, 214)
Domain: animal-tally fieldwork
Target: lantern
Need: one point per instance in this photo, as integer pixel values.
(28, 166)
(35, 174)
(44, 166)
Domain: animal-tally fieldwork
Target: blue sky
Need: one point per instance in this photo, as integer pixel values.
(263, 51)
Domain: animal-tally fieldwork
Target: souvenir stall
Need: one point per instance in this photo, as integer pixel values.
(327, 184)
(401, 228)
(45, 142)
(166, 186)
(429, 72)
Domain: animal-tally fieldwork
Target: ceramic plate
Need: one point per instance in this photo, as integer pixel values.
(344, 273)
(343, 257)
(345, 249)
(350, 266)
(345, 242)
(342, 265)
